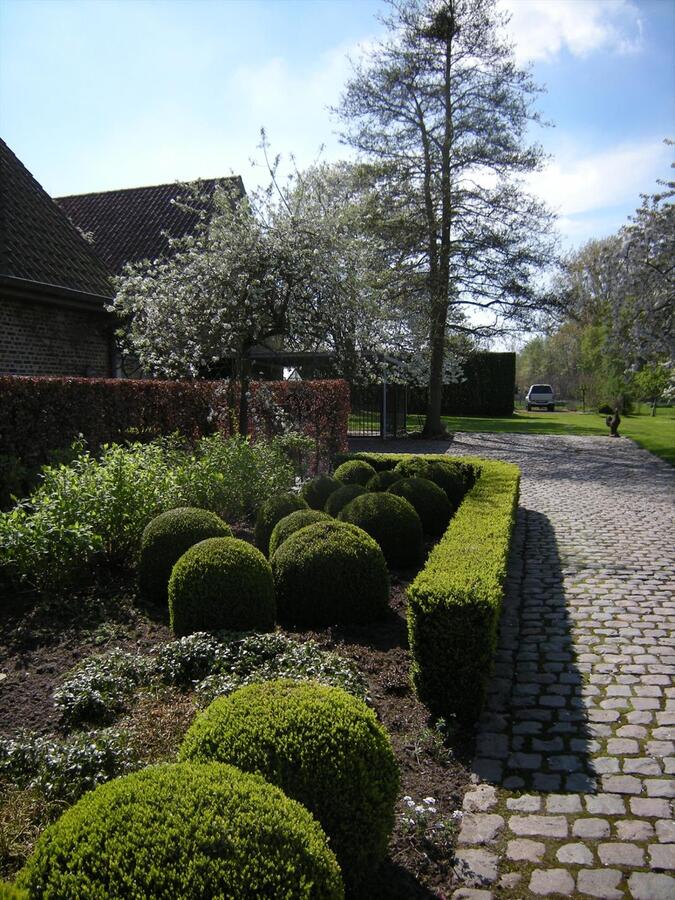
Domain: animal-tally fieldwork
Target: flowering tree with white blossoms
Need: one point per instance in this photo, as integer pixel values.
(255, 271)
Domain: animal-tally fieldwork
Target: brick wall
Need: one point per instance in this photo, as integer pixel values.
(39, 339)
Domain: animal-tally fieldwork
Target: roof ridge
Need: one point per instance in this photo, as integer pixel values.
(149, 187)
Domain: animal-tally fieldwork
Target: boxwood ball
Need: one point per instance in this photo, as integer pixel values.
(392, 522)
(270, 513)
(330, 573)
(322, 747)
(318, 490)
(429, 500)
(342, 497)
(221, 584)
(294, 522)
(184, 831)
(354, 471)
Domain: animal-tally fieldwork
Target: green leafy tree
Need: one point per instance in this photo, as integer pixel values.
(439, 112)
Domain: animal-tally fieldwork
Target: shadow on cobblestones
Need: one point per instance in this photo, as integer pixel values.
(534, 733)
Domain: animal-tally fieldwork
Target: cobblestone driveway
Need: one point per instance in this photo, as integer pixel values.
(576, 749)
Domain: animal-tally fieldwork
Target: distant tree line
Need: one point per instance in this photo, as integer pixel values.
(614, 343)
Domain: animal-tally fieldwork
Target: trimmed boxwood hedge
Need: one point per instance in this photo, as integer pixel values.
(166, 538)
(354, 471)
(221, 584)
(294, 522)
(429, 500)
(330, 573)
(322, 747)
(184, 831)
(455, 602)
(271, 512)
(342, 497)
(318, 490)
(392, 522)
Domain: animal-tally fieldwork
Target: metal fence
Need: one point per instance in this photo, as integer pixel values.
(378, 410)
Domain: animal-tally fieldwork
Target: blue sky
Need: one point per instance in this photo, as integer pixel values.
(102, 94)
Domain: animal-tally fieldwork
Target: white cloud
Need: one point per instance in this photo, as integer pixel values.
(595, 193)
(542, 29)
(576, 184)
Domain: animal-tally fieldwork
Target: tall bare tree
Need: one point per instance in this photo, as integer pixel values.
(440, 111)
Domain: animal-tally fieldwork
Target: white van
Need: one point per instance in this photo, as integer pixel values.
(540, 395)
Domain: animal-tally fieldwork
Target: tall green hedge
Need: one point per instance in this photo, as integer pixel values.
(489, 388)
(455, 602)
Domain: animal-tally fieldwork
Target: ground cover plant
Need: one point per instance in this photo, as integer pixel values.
(99, 668)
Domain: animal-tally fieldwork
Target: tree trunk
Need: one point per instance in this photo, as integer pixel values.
(244, 368)
(440, 284)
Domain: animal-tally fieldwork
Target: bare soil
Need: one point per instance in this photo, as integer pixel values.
(41, 641)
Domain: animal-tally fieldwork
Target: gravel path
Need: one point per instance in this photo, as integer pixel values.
(576, 748)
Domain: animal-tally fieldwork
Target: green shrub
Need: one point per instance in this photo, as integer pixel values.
(454, 603)
(429, 501)
(322, 747)
(184, 831)
(294, 522)
(452, 478)
(221, 583)
(166, 538)
(355, 471)
(318, 490)
(330, 573)
(98, 506)
(342, 497)
(606, 409)
(271, 512)
(413, 467)
(10, 892)
(392, 521)
(383, 480)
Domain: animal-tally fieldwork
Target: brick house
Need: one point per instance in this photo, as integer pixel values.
(55, 284)
(53, 287)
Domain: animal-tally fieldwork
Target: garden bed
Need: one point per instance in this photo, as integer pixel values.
(40, 644)
(145, 720)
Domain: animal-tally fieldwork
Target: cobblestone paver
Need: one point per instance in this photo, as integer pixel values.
(578, 735)
(579, 727)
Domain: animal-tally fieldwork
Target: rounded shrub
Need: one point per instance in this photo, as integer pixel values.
(318, 490)
(451, 478)
(184, 831)
(342, 497)
(272, 511)
(221, 584)
(429, 501)
(165, 540)
(290, 524)
(392, 522)
(383, 480)
(413, 467)
(330, 573)
(322, 747)
(354, 471)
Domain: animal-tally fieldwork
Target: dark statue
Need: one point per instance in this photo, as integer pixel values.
(613, 423)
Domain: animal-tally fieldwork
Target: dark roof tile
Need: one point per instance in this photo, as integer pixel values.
(128, 225)
(37, 241)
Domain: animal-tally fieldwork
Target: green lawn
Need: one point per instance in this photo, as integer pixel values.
(655, 434)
